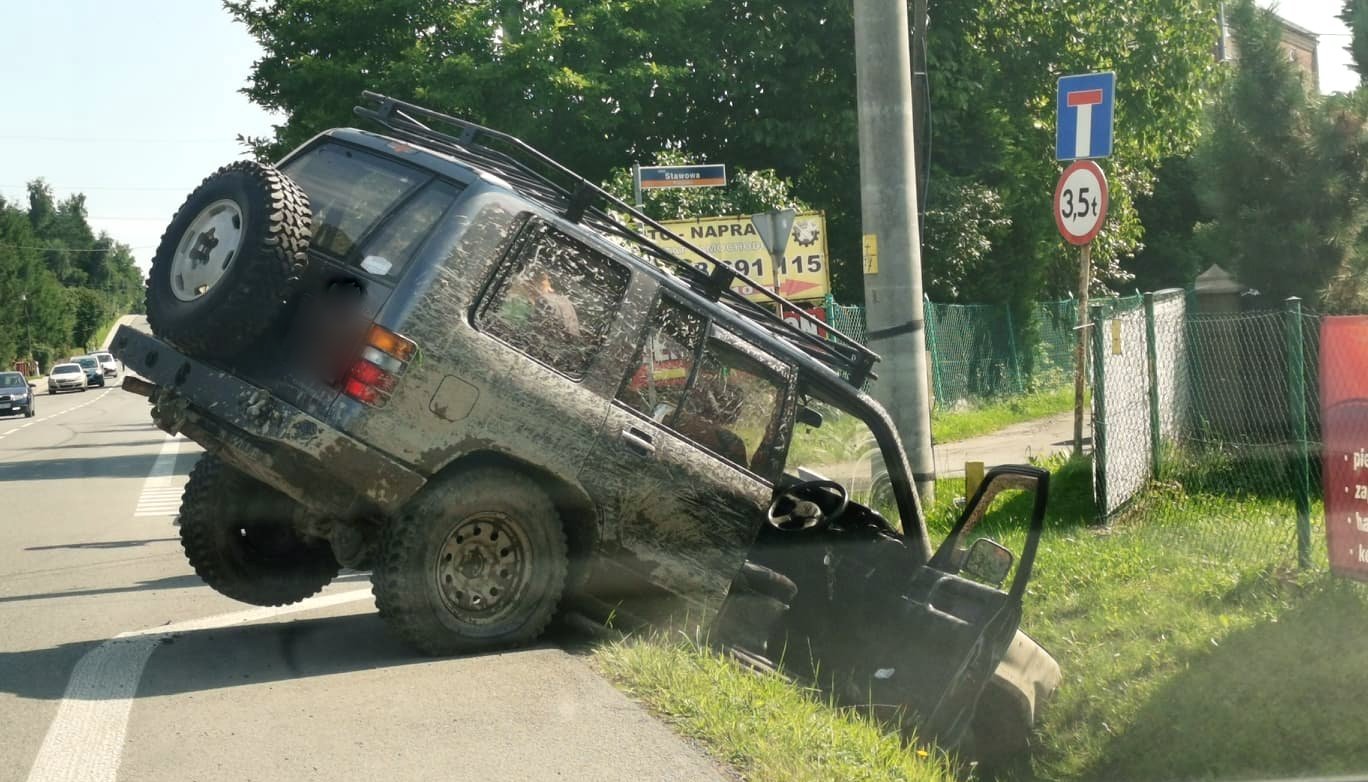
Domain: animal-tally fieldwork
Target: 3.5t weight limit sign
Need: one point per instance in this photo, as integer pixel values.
(1080, 202)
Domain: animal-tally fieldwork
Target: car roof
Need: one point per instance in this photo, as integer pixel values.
(67, 365)
(464, 170)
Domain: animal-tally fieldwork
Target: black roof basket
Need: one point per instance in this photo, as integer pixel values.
(541, 178)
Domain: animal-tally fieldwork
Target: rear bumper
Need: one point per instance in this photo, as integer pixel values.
(275, 442)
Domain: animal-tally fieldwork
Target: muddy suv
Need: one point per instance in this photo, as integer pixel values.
(439, 355)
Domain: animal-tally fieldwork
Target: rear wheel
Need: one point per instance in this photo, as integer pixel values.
(478, 560)
(237, 534)
(228, 260)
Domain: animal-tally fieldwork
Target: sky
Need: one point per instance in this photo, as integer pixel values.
(134, 102)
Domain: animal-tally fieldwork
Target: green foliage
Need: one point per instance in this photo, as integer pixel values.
(59, 281)
(1284, 175)
(1173, 254)
(1181, 661)
(993, 68)
(747, 192)
(768, 84)
(760, 723)
(91, 310)
(1354, 14)
(990, 415)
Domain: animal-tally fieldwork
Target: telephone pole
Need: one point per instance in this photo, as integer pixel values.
(888, 210)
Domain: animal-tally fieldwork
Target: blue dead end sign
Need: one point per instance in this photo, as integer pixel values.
(1083, 127)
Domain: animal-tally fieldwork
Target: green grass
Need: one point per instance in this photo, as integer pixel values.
(1185, 655)
(989, 416)
(1182, 660)
(760, 724)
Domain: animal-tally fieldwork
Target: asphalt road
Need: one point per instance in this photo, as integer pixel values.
(116, 662)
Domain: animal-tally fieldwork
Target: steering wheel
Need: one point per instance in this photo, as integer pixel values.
(791, 511)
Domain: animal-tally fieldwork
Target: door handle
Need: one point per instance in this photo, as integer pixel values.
(638, 442)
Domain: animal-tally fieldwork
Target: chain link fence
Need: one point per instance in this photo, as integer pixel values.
(1206, 424)
(975, 350)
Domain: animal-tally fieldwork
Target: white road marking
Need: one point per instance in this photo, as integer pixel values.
(161, 493)
(26, 425)
(85, 740)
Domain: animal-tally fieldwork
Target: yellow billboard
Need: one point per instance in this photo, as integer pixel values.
(804, 273)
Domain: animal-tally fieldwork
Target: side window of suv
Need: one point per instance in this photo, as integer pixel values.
(554, 299)
(720, 399)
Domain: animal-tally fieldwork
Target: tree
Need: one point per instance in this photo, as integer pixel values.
(1174, 252)
(766, 84)
(1283, 172)
(43, 249)
(1354, 14)
(746, 192)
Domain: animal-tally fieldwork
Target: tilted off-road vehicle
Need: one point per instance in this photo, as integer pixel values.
(441, 356)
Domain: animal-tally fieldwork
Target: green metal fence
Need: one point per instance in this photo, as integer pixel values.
(975, 350)
(1206, 425)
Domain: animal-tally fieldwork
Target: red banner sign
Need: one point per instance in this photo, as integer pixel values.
(1344, 427)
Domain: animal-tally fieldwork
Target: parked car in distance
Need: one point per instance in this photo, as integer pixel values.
(67, 377)
(16, 394)
(93, 371)
(108, 364)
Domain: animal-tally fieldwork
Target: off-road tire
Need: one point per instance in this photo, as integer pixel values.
(244, 303)
(236, 533)
(406, 579)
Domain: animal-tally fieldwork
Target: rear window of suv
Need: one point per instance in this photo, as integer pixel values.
(349, 191)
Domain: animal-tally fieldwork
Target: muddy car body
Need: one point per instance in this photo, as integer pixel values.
(469, 328)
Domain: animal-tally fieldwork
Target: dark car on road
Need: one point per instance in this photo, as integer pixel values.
(439, 355)
(94, 371)
(16, 395)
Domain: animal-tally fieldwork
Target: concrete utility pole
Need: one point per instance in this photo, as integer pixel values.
(888, 210)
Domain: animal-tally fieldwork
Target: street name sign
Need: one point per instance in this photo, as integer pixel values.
(706, 175)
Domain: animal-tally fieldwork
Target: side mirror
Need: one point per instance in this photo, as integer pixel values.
(809, 417)
(988, 562)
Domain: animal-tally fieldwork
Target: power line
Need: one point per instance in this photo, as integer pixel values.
(13, 246)
(118, 140)
(102, 187)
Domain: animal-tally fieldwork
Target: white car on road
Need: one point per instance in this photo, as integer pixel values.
(66, 377)
(108, 364)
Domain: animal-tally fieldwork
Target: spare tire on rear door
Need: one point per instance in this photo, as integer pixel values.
(229, 259)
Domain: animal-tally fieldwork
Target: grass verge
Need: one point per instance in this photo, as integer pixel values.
(1187, 655)
(991, 415)
(759, 723)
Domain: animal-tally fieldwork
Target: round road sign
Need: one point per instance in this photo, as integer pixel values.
(1080, 202)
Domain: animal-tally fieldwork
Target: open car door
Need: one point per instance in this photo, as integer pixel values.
(953, 621)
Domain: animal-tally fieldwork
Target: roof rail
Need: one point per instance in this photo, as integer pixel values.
(541, 178)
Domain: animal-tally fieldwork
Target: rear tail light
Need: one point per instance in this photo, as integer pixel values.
(373, 376)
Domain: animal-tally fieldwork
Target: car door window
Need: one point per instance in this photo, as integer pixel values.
(731, 408)
(555, 299)
(664, 362)
(718, 398)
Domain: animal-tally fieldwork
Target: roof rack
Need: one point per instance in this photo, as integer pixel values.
(538, 176)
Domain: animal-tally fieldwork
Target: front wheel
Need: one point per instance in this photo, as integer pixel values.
(237, 534)
(478, 560)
